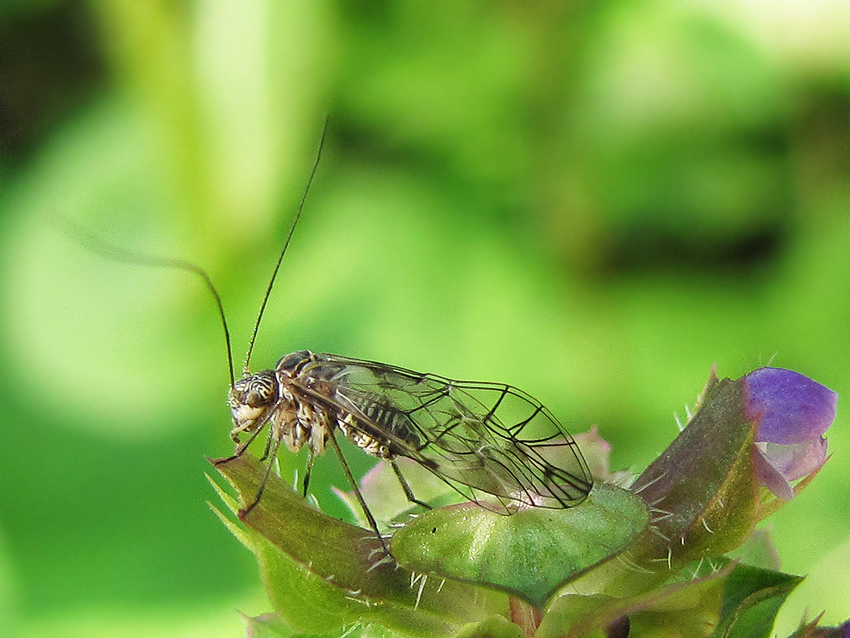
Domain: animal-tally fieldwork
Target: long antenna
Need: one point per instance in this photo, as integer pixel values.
(283, 252)
(108, 251)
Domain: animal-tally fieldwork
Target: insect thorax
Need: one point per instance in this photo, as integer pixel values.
(268, 396)
(306, 396)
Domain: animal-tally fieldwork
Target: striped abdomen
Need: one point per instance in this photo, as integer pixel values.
(380, 417)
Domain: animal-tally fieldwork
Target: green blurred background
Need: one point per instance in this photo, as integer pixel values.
(594, 201)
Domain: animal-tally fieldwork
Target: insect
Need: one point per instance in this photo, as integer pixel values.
(477, 437)
(480, 438)
(486, 439)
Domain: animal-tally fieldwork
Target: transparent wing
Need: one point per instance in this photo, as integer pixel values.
(489, 437)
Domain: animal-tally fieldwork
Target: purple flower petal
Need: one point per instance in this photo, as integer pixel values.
(788, 406)
(798, 460)
(777, 465)
(791, 413)
(771, 477)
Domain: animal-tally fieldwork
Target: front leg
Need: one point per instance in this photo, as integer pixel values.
(240, 447)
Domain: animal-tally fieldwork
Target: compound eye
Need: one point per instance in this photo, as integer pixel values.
(257, 391)
(259, 397)
(260, 389)
(251, 397)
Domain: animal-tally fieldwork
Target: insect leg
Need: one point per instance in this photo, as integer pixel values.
(307, 470)
(276, 439)
(268, 445)
(372, 523)
(241, 447)
(406, 486)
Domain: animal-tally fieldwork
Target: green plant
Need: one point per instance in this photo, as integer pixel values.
(648, 560)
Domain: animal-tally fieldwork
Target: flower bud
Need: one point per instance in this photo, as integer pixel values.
(791, 413)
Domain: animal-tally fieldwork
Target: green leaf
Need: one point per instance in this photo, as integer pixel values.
(267, 626)
(495, 627)
(705, 483)
(530, 553)
(273, 626)
(574, 616)
(323, 574)
(814, 630)
(689, 608)
(751, 600)
(758, 551)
